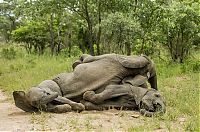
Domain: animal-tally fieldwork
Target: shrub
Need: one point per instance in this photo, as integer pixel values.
(71, 52)
(196, 66)
(8, 53)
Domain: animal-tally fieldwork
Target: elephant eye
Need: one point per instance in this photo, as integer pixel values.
(35, 103)
(157, 95)
(46, 93)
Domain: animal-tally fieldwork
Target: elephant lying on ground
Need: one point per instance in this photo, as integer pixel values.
(131, 94)
(91, 73)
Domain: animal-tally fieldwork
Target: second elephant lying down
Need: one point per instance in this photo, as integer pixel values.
(131, 94)
(102, 75)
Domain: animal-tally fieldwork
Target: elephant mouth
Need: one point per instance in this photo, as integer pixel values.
(157, 107)
(151, 109)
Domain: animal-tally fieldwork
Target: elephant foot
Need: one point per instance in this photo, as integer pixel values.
(76, 63)
(89, 96)
(92, 97)
(90, 106)
(62, 108)
(78, 107)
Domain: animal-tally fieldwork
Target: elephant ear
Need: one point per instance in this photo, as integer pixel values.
(133, 61)
(138, 93)
(22, 102)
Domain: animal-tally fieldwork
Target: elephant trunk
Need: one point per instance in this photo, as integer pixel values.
(153, 82)
(152, 77)
(43, 103)
(159, 107)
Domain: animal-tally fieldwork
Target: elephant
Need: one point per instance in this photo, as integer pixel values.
(131, 94)
(91, 73)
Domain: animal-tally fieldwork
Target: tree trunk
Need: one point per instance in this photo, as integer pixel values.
(51, 34)
(128, 48)
(142, 47)
(90, 28)
(119, 39)
(136, 2)
(69, 44)
(99, 30)
(59, 37)
(169, 45)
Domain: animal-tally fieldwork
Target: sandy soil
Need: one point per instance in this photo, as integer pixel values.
(14, 119)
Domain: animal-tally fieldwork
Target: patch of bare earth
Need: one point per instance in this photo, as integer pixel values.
(11, 117)
(14, 119)
(183, 78)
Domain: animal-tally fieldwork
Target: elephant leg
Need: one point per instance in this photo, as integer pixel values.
(59, 108)
(74, 105)
(122, 102)
(110, 91)
(89, 58)
(91, 106)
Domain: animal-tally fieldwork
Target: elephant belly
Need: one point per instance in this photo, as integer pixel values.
(89, 76)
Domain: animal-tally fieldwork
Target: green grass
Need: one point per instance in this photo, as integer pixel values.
(27, 70)
(178, 83)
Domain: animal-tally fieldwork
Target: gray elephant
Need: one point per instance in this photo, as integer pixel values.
(131, 94)
(91, 73)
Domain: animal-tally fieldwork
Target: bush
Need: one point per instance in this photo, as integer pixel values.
(8, 53)
(190, 66)
(73, 52)
(196, 66)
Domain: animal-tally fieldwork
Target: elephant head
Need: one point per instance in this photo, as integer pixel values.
(152, 103)
(34, 100)
(149, 101)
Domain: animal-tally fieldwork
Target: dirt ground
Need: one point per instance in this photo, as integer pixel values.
(14, 119)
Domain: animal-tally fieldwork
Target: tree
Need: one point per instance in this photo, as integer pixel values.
(180, 25)
(33, 35)
(55, 18)
(85, 8)
(122, 30)
(101, 26)
(149, 14)
(9, 15)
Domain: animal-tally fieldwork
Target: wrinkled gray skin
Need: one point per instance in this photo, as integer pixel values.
(131, 94)
(91, 73)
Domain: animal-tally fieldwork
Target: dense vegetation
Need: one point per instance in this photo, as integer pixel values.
(102, 26)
